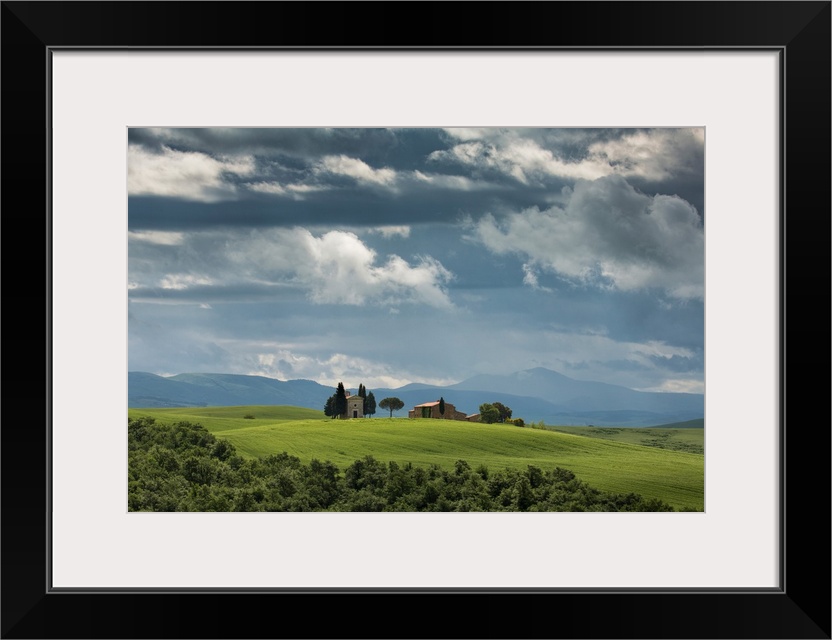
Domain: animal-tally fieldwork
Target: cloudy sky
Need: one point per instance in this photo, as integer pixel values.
(389, 256)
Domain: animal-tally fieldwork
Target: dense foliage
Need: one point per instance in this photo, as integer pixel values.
(495, 412)
(182, 467)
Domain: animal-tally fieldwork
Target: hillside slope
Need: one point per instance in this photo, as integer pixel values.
(675, 477)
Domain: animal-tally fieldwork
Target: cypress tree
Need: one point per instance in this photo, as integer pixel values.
(362, 393)
(441, 406)
(340, 400)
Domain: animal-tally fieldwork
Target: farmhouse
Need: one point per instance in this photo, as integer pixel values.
(431, 410)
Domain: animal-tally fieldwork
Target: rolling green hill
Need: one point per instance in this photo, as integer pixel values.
(673, 476)
(218, 418)
(690, 440)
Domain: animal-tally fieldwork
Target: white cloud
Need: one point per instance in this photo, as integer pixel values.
(388, 231)
(456, 183)
(522, 159)
(357, 169)
(167, 238)
(335, 267)
(468, 133)
(657, 154)
(183, 174)
(530, 278)
(274, 188)
(305, 188)
(181, 281)
(338, 268)
(296, 190)
(673, 385)
(285, 362)
(608, 235)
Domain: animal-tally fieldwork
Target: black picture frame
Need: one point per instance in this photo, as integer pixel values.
(799, 31)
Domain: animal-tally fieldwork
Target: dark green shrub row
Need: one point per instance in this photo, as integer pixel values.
(182, 467)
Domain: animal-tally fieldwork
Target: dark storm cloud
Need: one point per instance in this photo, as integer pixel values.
(417, 174)
(360, 176)
(267, 140)
(335, 207)
(216, 294)
(657, 160)
(401, 149)
(688, 187)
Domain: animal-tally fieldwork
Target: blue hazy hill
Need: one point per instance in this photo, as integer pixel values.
(533, 394)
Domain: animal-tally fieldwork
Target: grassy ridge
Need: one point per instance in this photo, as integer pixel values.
(699, 423)
(675, 477)
(679, 439)
(229, 418)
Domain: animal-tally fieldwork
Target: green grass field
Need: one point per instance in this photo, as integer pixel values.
(673, 476)
(683, 439)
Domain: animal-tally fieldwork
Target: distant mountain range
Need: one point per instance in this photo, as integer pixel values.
(533, 394)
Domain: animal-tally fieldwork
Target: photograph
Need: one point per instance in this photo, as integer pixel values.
(416, 319)
(418, 315)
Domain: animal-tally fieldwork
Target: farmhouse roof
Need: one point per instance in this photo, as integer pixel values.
(428, 404)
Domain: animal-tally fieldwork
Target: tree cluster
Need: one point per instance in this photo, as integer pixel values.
(369, 400)
(494, 412)
(336, 404)
(182, 467)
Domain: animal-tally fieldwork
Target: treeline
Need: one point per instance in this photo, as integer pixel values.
(182, 467)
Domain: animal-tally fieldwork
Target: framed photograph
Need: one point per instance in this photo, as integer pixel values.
(181, 159)
(520, 318)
